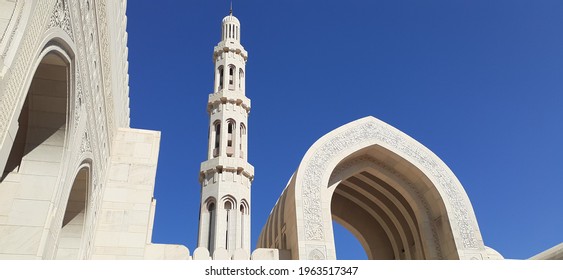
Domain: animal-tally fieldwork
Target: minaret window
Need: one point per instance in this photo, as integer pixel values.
(220, 69)
(243, 220)
(228, 208)
(230, 137)
(240, 78)
(231, 76)
(211, 234)
(217, 139)
(242, 140)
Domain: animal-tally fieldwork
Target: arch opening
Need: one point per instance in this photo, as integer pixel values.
(217, 138)
(42, 120)
(378, 215)
(231, 137)
(211, 230)
(72, 230)
(32, 169)
(392, 193)
(232, 77)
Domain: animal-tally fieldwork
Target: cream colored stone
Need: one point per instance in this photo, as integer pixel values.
(142, 174)
(107, 239)
(19, 240)
(37, 187)
(240, 255)
(28, 212)
(167, 252)
(553, 253)
(119, 172)
(132, 239)
(201, 254)
(221, 254)
(265, 254)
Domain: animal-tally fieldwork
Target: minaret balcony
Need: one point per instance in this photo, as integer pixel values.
(231, 96)
(233, 46)
(228, 163)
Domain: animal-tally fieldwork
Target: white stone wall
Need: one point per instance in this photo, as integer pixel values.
(126, 215)
(88, 40)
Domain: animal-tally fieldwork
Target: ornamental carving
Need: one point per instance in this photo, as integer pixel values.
(22, 59)
(12, 34)
(61, 17)
(316, 255)
(381, 133)
(85, 144)
(78, 99)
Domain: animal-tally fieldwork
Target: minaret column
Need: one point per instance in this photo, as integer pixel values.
(226, 176)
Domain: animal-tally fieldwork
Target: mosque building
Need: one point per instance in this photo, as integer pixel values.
(78, 181)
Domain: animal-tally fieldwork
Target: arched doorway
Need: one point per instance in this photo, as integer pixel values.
(393, 194)
(381, 209)
(38, 145)
(72, 231)
(33, 168)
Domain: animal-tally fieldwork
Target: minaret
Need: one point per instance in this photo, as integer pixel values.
(226, 175)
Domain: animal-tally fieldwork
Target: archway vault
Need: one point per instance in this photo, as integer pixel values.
(396, 196)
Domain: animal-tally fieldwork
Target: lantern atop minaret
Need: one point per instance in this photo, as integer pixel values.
(230, 28)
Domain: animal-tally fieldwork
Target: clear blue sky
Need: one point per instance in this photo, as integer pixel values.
(479, 82)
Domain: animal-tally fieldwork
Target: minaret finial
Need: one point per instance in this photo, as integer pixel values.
(231, 11)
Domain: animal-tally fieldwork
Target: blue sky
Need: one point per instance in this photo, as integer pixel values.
(480, 83)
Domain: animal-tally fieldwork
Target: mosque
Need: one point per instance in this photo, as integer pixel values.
(78, 181)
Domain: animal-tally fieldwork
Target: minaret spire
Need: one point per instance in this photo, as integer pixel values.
(226, 176)
(231, 10)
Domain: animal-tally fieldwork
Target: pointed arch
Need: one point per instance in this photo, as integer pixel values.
(232, 71)
(395, 195)
(231, 137)
(241, 79)
(243, 141)
(71, 241)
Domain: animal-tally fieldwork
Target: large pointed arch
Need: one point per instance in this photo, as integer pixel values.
(34, 153)
(394, 194)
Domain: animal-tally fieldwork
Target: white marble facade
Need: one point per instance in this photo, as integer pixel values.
(77, 182)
